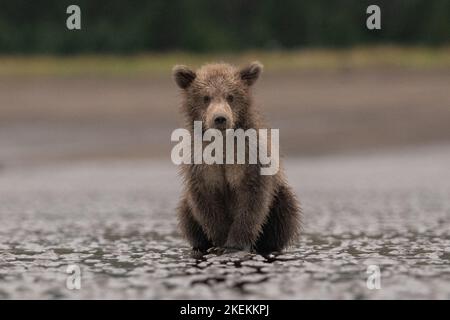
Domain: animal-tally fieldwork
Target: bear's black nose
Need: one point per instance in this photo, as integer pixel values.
(220, 120)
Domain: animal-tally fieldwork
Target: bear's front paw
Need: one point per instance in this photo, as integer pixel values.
(216, 250)
(198, 253)
(222, 250)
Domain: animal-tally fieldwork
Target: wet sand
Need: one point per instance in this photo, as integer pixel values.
(116, 221)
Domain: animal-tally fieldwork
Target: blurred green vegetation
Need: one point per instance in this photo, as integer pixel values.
(130, 27)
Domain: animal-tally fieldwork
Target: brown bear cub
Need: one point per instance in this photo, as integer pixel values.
(231, 207)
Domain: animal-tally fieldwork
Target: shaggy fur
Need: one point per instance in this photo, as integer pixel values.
(231, 206)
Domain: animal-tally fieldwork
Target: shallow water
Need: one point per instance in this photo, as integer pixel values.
(116, 222)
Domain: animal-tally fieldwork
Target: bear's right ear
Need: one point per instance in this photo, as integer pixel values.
(183, 76)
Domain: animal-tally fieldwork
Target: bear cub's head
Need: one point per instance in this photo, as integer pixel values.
(217, 94)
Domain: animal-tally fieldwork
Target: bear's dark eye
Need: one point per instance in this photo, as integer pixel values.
(206, 99)
(230, 98)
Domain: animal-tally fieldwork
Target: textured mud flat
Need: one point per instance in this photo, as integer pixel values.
(116, 221)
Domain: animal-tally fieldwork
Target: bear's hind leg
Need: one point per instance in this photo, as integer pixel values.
(282, 225)
(192, 229)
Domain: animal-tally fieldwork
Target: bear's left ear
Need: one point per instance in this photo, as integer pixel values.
(183, 76)
(251, 73)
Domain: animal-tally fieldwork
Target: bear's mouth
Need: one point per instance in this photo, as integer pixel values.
(221, 127)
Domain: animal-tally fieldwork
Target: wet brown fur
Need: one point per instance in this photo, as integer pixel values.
(231, 205)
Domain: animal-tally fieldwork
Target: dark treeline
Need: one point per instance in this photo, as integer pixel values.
(119, 26)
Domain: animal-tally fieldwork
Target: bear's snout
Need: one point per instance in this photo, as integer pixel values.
(220, 120)
(219, 116)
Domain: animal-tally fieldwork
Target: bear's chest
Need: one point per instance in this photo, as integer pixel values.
(234, 175)
(223, 176)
